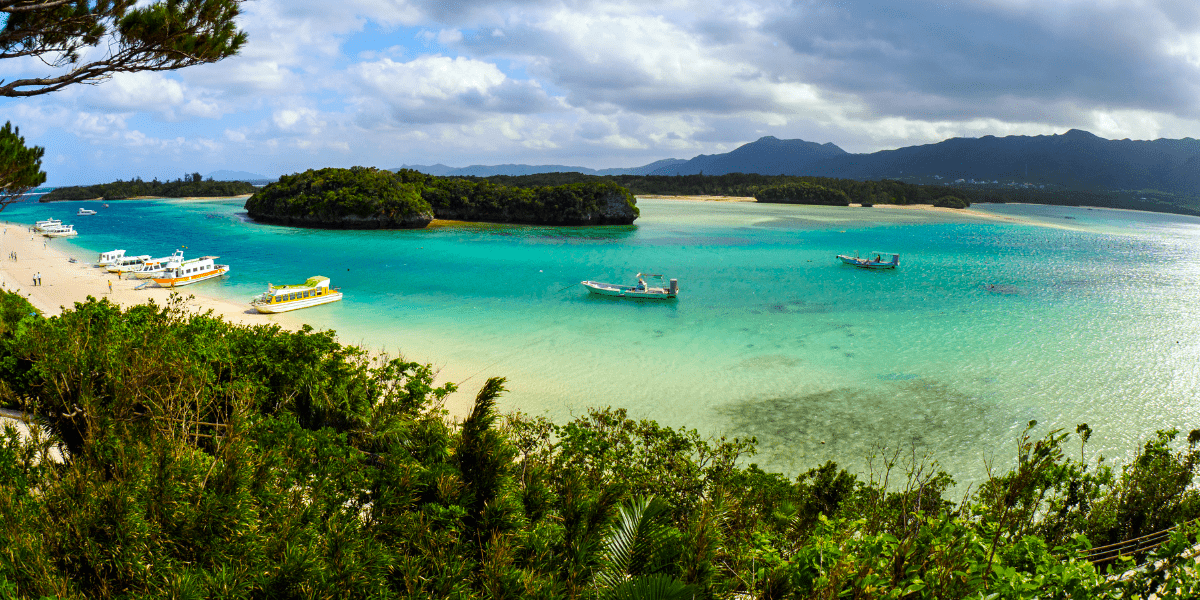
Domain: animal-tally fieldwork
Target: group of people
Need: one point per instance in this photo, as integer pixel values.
(12, 255)
(37, 278)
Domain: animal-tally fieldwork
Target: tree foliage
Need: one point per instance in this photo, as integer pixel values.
(192, 186)
(355, 197)
(20, 166)
(205, 459)
(802, 193)
(86, 41)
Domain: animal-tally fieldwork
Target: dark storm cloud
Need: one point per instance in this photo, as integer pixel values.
(954, 61)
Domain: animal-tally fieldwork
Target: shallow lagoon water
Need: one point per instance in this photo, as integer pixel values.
(985, 326)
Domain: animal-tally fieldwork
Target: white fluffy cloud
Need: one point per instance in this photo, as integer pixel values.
(606, 83)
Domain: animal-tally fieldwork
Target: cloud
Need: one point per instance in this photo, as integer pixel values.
(440, 89)
(620, 83)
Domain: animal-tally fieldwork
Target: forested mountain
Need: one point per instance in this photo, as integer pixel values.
(1075, 160)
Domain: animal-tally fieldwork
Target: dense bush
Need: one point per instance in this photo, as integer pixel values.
(802, 193)
(951, 202)
(360, 195)
(136, 188)
(589, 203)
(203, 459)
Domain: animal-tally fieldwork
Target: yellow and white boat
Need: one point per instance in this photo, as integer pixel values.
(191, 271)
(313, 292)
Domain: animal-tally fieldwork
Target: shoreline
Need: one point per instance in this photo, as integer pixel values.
(923, 208)
(64, 283)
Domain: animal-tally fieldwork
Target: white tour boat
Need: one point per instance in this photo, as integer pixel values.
(42, 225)
(84, 212)
(157, 267)
(191, 271)
(127, 263)
(313, 292)
(54, 231)
(639, 290)
(874, 260)
(108, 258)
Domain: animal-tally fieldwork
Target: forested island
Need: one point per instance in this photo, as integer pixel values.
(230, 461)
(368, 198)
(870, 192)
(193, 186)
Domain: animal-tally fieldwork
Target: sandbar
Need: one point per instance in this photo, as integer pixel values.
(961, 212)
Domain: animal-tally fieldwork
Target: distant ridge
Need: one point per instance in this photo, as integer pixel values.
(224, 175)
(1073, 160)
(441, 170)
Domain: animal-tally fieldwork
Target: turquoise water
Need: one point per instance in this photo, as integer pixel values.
(985, 326)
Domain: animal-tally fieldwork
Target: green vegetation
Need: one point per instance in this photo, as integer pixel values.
(870, 192)
(802, 192)
(86, 42)
(578, 203)
(20, 167)
(951, 202)
(190, 186)
(363, 197)
(359, 197)
(203, 459)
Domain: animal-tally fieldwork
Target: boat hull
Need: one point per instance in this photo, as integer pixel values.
(197, 278)
(864, 263)
(290, 305)
(622, 291)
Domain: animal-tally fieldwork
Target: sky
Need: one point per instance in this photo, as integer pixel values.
(608, 83)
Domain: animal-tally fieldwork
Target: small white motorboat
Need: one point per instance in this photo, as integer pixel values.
(84, 212)
(874, 260)
(639, 290)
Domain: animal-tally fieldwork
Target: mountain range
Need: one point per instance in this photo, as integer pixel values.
(1073, 160)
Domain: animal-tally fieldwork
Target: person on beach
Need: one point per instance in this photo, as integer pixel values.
(110, 287)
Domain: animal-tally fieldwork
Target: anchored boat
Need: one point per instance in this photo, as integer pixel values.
(639, 290)
(127, 263)
(191, 271)
(85, 211)
(108, 258)
(313, 292)
(874, 260)
(157, 267)
(59, 230)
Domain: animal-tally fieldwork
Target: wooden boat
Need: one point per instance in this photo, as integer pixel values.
(639, 290)
(313, 292)
(191, 271)
(873, 261)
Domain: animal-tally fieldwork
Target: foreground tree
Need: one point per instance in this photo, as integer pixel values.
(86, 41)
(20, 166)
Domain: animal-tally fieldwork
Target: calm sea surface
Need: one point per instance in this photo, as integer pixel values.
(985, 326)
